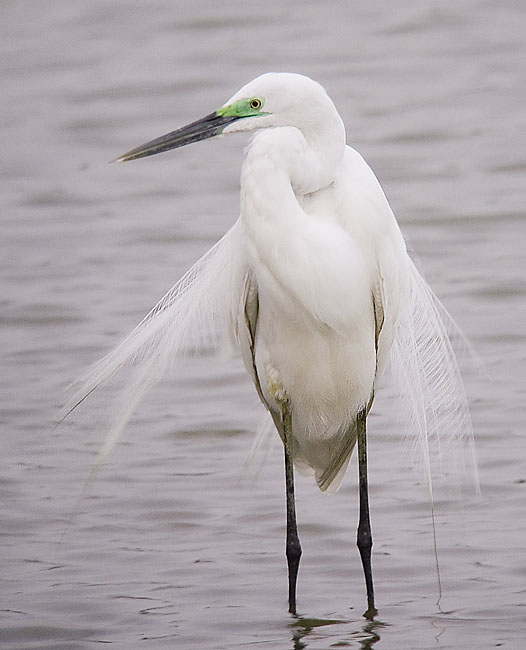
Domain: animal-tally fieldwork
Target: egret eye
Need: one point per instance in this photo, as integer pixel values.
(255, 103)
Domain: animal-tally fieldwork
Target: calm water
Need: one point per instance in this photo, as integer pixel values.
(164, 549)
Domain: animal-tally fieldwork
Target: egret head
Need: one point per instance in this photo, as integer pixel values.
(271, 100)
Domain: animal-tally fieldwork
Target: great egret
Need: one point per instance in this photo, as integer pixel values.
(315, 284)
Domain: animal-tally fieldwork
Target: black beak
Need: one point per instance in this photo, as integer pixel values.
(206, 127)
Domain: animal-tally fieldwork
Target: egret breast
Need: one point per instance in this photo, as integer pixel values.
(315, 335)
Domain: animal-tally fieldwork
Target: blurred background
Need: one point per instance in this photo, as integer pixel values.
(173, 544)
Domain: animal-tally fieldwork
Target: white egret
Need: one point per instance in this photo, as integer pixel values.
(315, 284)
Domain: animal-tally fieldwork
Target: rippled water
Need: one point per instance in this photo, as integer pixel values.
(164, 549)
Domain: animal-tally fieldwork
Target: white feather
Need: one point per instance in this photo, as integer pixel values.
(424, 366)
(194, 314)
(318, 240)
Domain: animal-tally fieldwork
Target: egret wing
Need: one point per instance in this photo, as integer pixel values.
(246, 333)
(195, 313)
(427, 373)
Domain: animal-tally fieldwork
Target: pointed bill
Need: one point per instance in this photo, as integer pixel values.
(206, 127)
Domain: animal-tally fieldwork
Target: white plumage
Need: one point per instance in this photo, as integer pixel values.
(321, 244)
(315, 284)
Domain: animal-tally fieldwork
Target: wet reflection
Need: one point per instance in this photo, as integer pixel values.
(370, 634)
(304, 627)
(367, 636)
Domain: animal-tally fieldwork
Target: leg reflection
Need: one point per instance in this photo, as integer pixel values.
(365, 638)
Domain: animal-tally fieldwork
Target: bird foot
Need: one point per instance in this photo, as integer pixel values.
(370, 613)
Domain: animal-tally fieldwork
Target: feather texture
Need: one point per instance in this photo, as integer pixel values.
(315, 284)
(203, 307)
(427, 375)
(196, 313)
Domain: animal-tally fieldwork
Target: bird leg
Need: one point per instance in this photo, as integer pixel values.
(293, 550)
(364, 539)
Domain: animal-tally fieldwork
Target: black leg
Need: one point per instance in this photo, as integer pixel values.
(293, 550)
(364, 538)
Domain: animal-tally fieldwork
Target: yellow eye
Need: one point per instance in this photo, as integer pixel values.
(255, 103)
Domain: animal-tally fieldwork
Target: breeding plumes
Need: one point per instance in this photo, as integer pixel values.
(315, 285)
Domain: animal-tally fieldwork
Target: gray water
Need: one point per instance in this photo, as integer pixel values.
(166, 547)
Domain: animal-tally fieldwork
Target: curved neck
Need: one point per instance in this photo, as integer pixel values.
(308, 161)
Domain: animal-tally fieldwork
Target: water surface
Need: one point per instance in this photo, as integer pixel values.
(164, 549)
